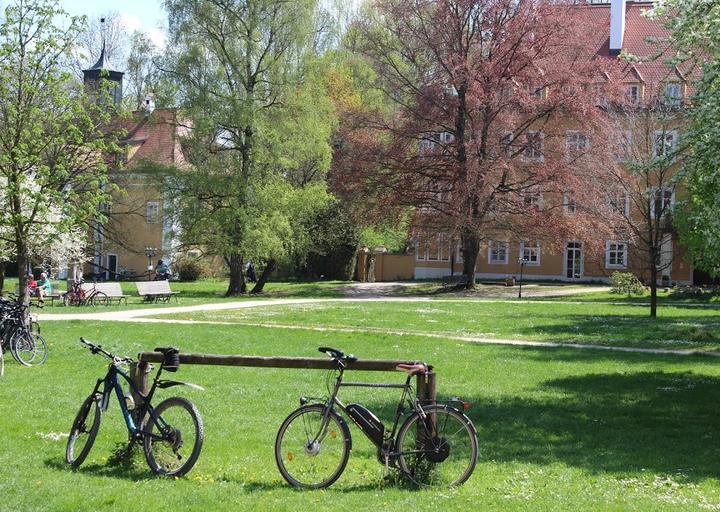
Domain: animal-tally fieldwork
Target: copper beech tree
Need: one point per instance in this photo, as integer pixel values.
(494, 124)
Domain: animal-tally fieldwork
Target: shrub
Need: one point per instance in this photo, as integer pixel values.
(626, 282)
(189, 268)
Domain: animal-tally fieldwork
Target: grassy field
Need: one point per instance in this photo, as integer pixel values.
(677, 326)
(559, 429)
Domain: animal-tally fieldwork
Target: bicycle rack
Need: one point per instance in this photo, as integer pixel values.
(425, 383)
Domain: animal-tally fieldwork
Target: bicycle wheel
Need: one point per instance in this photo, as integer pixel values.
(100, 299)
(82, 434)
(438, 451)
(29, 348)
(34, 327)
(173, 437)
(307, 457)
(2, 362)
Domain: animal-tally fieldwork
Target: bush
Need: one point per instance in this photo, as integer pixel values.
(626, 282)
(189, 268)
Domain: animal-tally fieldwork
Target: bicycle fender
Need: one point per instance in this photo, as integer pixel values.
(170, 383)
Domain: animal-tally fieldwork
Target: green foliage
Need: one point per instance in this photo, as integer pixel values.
(394, 237)
(189, 268)
(53, 168)
(626, 283)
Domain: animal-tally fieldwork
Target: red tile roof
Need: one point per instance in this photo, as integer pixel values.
(645, 38)
(153, 137)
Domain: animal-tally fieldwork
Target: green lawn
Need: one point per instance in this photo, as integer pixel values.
(559, 429)
(677, 326)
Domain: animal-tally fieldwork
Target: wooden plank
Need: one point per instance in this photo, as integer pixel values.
(377, 365)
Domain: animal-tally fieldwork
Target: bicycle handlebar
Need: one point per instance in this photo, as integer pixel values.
(337, 355)
(97, 349)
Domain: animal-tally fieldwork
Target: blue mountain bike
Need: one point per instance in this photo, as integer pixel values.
(171, 432)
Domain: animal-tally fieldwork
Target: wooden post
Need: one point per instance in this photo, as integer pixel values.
(139, 373)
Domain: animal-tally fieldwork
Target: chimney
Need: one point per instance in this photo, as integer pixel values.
(148, 104)
(617, 25)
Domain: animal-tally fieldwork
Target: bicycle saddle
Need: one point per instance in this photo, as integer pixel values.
(412, 369)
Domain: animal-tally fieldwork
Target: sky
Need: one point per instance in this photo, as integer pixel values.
(145, 15)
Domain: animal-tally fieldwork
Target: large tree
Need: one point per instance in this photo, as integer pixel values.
(256, 111)
(696, 34)
(484, 92)
(53, 137)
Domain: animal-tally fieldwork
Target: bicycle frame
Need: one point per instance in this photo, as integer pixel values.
(406, 397)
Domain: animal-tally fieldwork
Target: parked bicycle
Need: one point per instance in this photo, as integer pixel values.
(171, 432)
(435, 445)
(77, 295)
(20, 334)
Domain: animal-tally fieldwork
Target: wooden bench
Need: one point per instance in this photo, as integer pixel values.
(155, 291)
(455, 280)
(56, 294)
(111, 289)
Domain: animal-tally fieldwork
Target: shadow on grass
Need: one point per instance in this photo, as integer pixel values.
(609, 423)
(134, 474)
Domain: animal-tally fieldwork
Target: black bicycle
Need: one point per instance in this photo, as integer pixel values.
(171, 432)
(20, 334)
(436, 444)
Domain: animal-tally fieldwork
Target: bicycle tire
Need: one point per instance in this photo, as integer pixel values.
(165, 433)
(100, 299)
(2, 362)
(439, 451)
(297, 453)
(79, 429)
(34, 327)
(28, 348)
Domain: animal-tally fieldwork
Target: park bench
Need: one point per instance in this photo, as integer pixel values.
(455, 280)
(155, 291)
(56, 294)
(112, 290)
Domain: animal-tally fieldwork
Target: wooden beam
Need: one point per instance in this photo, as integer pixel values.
(378, 365)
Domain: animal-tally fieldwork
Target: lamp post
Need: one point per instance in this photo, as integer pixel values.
(150, 252)
(522, 262)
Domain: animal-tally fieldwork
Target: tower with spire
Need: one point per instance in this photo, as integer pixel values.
(101, 71)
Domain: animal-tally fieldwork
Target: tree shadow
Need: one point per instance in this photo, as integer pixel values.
(609, 423)
(104, 470)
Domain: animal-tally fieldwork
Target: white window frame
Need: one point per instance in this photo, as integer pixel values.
(672, 99)
(663, 198)
(624, 146)
(445, 247)
(420, 250)
(494, 246)
(148, 218)
(616, 247)
(506, 144)
(634, 98)
(432, 140)
(570, 206)
(532, 199)
(617, 198)
(576, 142)
(433, 256)
(669, 139)
(530, 152)
(524, 246)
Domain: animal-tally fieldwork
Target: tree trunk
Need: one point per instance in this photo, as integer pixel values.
(267, 272)
(22, 262)
(237, 285)
(2, 276)
(471, 249)
(653, 292)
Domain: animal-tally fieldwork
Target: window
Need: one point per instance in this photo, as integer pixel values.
(662, 202)
(576, 143)
(616, 254)
(152, 212)
(532, 200)
(534, 146)
(664, 143)
(506, 144)
(435, 140)
(433, 248)
(632, 94)
(420, 249)
(498, 253)
(620, 202)
(540, 92)
(622, 149)
(445, 247)
(569, 204)
(530, 252)
(672, 94)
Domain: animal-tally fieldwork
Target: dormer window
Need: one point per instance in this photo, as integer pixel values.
(632, 94)
(672, 95)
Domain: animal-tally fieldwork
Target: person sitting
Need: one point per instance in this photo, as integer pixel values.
(31, 285)
(162, 271)
(44, 287)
